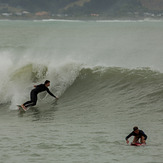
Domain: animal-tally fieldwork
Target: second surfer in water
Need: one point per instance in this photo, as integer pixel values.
(138, 134)
(34, 92)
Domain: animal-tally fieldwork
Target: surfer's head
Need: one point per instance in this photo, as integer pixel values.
(136, 130)
(47, 83)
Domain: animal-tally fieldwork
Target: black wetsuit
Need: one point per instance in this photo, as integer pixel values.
(141, 133)
(34, 92)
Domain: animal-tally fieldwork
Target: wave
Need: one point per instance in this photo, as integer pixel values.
(68, 56)
(120, 78)
(141, 84)
(17, 81)
(136, 86)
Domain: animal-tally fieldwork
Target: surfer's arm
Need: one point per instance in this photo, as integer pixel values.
(127, 137)
(51, 94)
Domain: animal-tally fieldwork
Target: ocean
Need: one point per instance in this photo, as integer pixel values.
(108, 76)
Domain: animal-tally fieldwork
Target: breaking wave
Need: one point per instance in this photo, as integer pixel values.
(142, 85)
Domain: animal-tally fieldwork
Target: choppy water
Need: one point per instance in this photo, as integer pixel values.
(108, 75)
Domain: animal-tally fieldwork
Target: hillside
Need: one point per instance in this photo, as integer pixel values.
(156, 5)
(80, 8)
(56, 6)
(79, 3)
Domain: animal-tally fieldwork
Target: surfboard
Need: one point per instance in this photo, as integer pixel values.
(21, 109)
(138, 144)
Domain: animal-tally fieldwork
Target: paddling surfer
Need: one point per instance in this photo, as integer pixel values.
(138, 134)
(34, 93)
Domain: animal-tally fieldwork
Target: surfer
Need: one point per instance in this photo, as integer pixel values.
(138, 134)
(34, 92)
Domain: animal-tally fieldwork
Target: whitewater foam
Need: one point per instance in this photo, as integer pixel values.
(17, 79)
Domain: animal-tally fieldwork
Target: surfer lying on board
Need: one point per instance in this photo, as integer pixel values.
(34, 92)
(138, 134)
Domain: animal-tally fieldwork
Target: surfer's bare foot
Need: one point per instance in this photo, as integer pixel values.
(23, 107)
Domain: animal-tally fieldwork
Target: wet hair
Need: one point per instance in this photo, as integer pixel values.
(135, 128)
(46, 82)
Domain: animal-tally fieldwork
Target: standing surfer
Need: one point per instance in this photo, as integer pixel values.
(138, 134)
(34, 92)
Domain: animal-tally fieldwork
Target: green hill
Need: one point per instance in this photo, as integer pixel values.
(155, 5)
(115, 8)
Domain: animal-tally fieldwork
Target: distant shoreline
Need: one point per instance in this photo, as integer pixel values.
(78, 21)
(84, 18)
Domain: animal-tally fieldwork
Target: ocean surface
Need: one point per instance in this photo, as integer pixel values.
(108, 76)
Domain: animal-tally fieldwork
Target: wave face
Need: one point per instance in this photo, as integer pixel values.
(137, 87)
